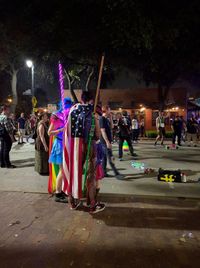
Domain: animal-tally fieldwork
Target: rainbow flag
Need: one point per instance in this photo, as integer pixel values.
(125, 146)
(53, 170)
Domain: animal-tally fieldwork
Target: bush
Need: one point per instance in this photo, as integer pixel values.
(153, 134)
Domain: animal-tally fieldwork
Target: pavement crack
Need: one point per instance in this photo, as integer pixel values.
(29, 225)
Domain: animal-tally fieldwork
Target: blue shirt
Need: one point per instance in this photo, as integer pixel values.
(105, 123)
(21, 122)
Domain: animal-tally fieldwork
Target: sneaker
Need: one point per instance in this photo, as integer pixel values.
(75, 205)
(107, 175)
(11, 166)
(134, 154)
(60, 198)
(120, 159)
(97, 208)
(119, 177)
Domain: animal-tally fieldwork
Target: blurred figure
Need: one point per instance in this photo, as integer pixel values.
(160, 126)
(177, 127)
(21, 128)
(192, 128)
(6, 137)
(142, 128)
(124, 134)
(42, 146)
(106, 125)
(135, 129)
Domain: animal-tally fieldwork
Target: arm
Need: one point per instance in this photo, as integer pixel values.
(103, 133)
(41, 134)
(97, 127)
(53, 132)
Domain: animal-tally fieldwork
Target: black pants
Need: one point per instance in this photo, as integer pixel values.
(121, 141)
(6, 145)
(178, 134)
(135, 134)
(107, 155)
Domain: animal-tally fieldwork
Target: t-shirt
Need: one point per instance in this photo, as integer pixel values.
(21, 122)
(135, 124)
(105, 123)
(177, 125)
(124, 127)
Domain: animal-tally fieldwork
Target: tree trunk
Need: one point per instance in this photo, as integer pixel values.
(14, 89)
(70, 88)
(89, 79)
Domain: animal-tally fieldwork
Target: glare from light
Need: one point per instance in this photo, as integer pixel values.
(29, 63)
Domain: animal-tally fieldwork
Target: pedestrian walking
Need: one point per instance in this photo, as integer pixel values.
(6, 137)
(135, 129)
(142, 128)
(21, 128)
(177, 127)
(192, 129)
(160, 126)
(106, 125)
(124, 135)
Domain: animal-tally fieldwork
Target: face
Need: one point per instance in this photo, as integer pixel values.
(22, 115)
(45, 118)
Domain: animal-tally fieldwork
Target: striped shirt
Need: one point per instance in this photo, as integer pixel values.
(7, 123)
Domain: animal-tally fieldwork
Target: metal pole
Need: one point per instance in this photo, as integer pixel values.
(32, 80)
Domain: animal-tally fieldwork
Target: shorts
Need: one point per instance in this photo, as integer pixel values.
(161, 131)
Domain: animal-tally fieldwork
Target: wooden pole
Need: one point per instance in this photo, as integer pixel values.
(99, 83)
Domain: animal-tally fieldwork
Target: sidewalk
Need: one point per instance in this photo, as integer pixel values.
(25, 179)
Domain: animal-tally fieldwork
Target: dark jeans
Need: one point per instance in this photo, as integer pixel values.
(107, 155)
(6, 145)
(135, 134)
(178, 134)
(121, 141)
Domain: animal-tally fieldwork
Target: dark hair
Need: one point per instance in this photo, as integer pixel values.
(42, 115)
(4, 108)
(86, 96)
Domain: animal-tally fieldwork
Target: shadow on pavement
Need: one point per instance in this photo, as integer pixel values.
(102, 254)
(153, 218)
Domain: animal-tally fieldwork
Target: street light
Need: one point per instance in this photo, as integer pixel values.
(30, 64)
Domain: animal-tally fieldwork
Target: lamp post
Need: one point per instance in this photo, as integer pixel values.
(30, 64)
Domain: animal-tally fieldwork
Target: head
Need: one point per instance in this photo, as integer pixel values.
(106, 110)
(124, 113)
(5, 110)
(67, 104)
(22, 115)
(86, 97)
(177, 117)
(44, 117)
(118, 115)
(161, 113)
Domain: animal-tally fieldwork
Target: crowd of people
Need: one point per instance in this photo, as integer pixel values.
(75, 141)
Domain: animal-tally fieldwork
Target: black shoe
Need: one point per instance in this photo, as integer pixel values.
(11, 166)
(97, 208)
(134, 154)
(60, 198)
(107, 175)
(119, 177)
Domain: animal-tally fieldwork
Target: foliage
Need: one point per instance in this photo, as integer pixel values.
(154, 134)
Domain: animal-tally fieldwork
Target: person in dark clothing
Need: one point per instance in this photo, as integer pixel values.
(124, 134)
(106, 125)
(177, 126)
(6, 138)
(21, 128)
(192, 127)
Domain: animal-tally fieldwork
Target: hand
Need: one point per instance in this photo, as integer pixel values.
(46, 149)
(109, 145)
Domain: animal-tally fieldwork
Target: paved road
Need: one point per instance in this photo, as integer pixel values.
(154, 229)
(135, 232)
(25, 179)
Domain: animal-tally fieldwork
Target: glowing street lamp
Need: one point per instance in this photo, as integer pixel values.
(30, 64)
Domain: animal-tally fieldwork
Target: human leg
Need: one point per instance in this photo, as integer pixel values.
(121, 141)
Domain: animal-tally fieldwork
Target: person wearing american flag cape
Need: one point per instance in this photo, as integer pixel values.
(76, 136)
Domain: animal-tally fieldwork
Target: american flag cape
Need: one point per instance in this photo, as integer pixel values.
(73, 153)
